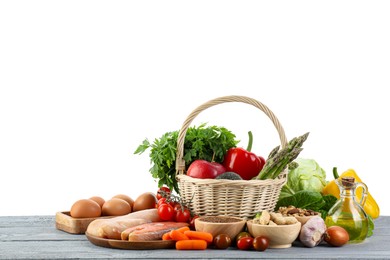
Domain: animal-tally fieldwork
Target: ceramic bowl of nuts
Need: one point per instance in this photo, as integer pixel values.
(280, 230)
(220, 225)
(302, 215)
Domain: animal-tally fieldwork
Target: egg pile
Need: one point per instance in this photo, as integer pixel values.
(118, 205)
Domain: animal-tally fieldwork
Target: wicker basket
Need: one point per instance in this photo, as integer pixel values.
(241, 198)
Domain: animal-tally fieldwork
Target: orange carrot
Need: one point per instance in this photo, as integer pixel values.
(167, 236)
(194, 244)
(208, 237)
(177, 235)
(182, 229)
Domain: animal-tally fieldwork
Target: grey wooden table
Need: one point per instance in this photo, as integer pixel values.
(35, 237)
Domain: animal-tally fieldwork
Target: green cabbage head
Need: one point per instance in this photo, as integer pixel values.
(308, 176)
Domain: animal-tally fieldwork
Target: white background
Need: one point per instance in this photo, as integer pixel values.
(83, 83)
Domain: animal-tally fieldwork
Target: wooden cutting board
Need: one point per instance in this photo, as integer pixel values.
(72, 225)
(131, 245)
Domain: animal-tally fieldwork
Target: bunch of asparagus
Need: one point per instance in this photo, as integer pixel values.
(278, 159)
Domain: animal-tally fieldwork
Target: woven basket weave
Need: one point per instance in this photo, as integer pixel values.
(241, 198)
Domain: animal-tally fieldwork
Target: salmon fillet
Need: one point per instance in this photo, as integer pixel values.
(150, 231)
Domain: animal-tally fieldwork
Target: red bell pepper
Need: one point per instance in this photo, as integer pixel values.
(243, 162)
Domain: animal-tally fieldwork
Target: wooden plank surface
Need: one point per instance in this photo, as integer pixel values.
(35, 237)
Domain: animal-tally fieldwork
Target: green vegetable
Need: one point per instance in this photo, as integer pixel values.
(309, 200)
(308, 176)
(316, 201)
(303, 199)
(278, 160)
(371, 226)
(203, 142)
(305, 183)
(330, 200)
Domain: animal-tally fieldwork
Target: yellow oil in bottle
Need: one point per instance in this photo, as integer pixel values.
(357, 229)
(348, 213)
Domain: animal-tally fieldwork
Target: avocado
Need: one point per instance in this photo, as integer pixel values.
(229, 176)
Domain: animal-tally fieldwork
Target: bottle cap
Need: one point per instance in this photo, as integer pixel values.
(348, 181)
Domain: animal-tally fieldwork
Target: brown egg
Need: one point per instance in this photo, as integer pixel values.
(116, 207)
(85, 208)
(98, 199)
(146, 200)
(126, 198)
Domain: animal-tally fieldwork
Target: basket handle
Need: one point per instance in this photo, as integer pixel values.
(180, 163)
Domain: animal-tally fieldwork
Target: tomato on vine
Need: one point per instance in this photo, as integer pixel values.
(166, 212)
(177, 207)
(178, 210)
(182, 215)
(161, 201)
(162, 191)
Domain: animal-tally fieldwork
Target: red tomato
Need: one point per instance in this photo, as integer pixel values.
(183, 215)
(260, 243)
(245, 243)
(162, 190)
(222, 241)
(192, 222)
(166, 212)
(172, 203)
(161, 201)
(241, 235)
(164, 201)
(177, 207)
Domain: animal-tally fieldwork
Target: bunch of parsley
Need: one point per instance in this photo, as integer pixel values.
(202, 142)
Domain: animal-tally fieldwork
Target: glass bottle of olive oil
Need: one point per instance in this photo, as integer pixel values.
(347, 212)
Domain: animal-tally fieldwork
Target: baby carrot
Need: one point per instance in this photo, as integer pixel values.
(177, 235)
(167, 236)
(182, 229)
(194, 244)
(208, 237)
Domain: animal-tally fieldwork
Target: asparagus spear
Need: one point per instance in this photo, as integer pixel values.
(272, 163)
(292, 165)
(273, 152)
(279, 159)
(290, 158)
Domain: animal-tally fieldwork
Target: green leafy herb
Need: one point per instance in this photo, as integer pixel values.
(202, 142)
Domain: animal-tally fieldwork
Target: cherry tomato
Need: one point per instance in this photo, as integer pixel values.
(165, 212)
(245, 243)
(172, 203)
(163, 190)
(192, 222)
(161, 201)
(222, 241)
(241, 235)
(177, 207)
(260, 243)
(164, 201)
(183, 215)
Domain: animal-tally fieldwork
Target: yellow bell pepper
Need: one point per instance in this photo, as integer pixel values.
(370, 206)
